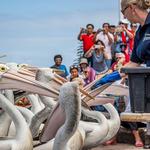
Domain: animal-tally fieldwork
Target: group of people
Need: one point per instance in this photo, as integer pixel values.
(111, 48)
(105, 47)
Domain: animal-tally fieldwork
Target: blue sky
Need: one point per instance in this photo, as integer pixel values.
(33, 31)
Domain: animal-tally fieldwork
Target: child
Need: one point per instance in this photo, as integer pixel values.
(75, 77)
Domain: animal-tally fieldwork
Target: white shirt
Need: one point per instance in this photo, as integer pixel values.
(103, 37)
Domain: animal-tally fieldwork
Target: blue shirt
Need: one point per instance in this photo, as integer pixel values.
(63, 68)
(99, 63)
(141, 50)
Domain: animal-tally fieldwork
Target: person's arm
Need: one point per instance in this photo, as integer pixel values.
(80, 34)
(92, 74)
(129, 65)
(116, 37)
(110, 38)
(89, 52)
(129, 34)
(95, 35)
(105, 55)
(66, 72)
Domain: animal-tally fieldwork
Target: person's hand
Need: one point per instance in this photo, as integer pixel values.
(123, 27)
(98, 31)
(105, 31)
(93, 47)
(82, 30)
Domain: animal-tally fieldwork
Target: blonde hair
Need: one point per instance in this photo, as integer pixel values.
(142, 4)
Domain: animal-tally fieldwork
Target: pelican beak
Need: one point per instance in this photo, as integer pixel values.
(15, 80)
(26, 72)
(32, 69)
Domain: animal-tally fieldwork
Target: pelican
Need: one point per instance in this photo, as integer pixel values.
(113, 127)
(20, 69)
(113, 122)
(35, 102)
(10, 79)
(23, 139)
(42, 115)
(35, 87)
(27, 114)
(13, 80)
(95, 132)
(68, 137)
(5, 120)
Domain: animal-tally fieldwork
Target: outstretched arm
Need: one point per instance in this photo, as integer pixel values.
(80, 34)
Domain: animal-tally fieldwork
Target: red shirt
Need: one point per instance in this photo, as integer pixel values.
(87, 41)
(130, 42)
(127, 57)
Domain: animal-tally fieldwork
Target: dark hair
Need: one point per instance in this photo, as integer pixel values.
(120, 22)
(106, 23)
(112, 26)
(74, 67)
(90, 25)
(101, 43)
(58, 56)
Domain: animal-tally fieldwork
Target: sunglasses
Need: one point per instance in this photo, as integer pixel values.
(74, 67)
(125, 9)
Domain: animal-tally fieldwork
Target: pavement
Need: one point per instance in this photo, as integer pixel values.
(118, 147)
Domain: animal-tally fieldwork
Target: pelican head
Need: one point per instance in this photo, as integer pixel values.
(44, 74)
(10, 79)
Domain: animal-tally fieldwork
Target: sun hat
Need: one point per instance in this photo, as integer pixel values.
(83, 61)
(124, 21)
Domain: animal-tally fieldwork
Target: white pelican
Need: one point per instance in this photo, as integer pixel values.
(113, 127)
(113, 122)
(95, 132)
(23, 138)
(27, 114)
(68, 137)
(10, 79)
(35, 102)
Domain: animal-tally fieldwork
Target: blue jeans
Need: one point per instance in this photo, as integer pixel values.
(108, 63)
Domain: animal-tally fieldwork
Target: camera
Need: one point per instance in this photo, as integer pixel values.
(84, 30)
(97, 46)
(119, 29)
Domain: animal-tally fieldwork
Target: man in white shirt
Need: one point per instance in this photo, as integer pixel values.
(108, 40)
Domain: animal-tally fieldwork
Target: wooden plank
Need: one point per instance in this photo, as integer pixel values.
(135, 117)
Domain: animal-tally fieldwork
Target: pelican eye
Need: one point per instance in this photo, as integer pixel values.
(3, 69)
